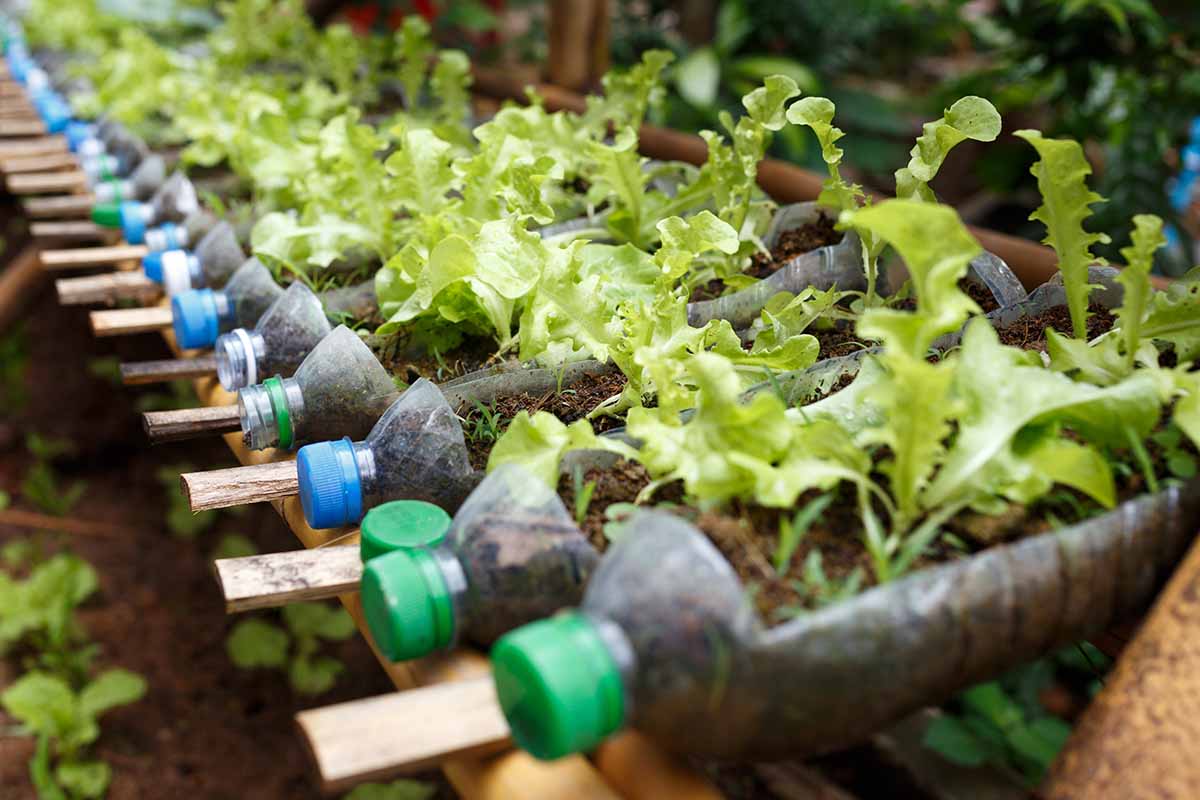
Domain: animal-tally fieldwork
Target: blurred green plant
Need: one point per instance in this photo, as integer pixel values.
(257, 644)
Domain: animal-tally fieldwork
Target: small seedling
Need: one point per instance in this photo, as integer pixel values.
(792, 531)
(402, 789)
(255, 643)
(583, 495)
(182, 523)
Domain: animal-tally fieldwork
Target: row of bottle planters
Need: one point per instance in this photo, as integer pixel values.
(661, 635)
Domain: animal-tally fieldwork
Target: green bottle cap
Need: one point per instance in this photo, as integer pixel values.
(558, 686)
(107, 215)
(407, 604)
(402, 524)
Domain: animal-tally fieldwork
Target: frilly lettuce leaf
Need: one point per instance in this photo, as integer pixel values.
(765, 105)
(539, 442)
(1061, 173)
(414, 48)
(619, 175)
(421, 172)
(1147, 237)
(817, 114)
(968, 118)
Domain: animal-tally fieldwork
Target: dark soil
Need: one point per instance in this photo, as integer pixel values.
(792, 243)
(206, 729)
(473, 354)
(1029, 333)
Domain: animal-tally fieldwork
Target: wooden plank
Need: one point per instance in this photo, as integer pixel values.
(1138, 737)
(276, 579)
(188, 423)
(81, 230)
(137, 373)
(19, 283)
(39, 163)
(34, 146)
(123, 321)
(80, 257)
(108, 288)
(65, 206)
(365, 739)
(47, 182)
(222, 488)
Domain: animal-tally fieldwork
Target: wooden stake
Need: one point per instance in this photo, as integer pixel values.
(80, 257)
(276, 579)
(36, 146)
(222, 488)
(378, 737)
(82, 230)
(137, 373)
(48, 162)
(66, 206)
(47, 182)
(108, 288)
(122, 321)
(188, 423)
(19, 282)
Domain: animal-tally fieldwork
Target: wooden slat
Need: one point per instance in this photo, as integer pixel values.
(108, 288)
(223, 488)
(36, 146)
(19, 282)
(47, 182)
(276, 579)
(12, 128)
(39, 163)
(81, 230)
(136, 373)
(188, 423)
(124, 321)
(64, 206)
(81, 257)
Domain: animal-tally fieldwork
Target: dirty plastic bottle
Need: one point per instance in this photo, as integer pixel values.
(200, 315)
(180, 236)
(142, 183)
(278, 342)
(173, 201)
(658, 642)
(217, 256)
(512, 555)
(416, 450)
(340, 389)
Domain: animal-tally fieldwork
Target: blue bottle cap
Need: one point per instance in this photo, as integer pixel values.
(78, 132)
(56, 117)
(133, 224)
(1191, 158)
(330, 488)
(1194, 130)
(152, 266)
(1181, 192)
(195, 319)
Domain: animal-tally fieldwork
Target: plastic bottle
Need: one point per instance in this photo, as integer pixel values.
(278, 342)
(217, 256)
(142, 183)
(200, 315)
(512, 555)
(172, 236)
(173, 201)
(340, 389)
(415, 450)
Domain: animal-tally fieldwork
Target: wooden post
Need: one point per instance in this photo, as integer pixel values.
(188, 423)
(82, 230)
(123, 321)
(276, 579)
(19, 282)
(47, 182)
(222, 488)
(82, 257)
(66, 206)
(578, 35)
(108, 288)
(137, 373)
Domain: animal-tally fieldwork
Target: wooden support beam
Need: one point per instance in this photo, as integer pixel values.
(123, 321)
(222, 488)
(81, 257)
(64, 206)
(137, 373)
(19, 282)
(577, 32)
(48, 162)
(109, 288)
(47, 182)
(35, 146)
(80, 230)
(276, 579)
(379, 737)
(188, 423)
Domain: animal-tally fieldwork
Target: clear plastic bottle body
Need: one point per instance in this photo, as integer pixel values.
(251, 290)
(283, 336)
(174, 200)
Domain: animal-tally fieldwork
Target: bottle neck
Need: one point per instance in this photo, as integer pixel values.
(621, 650)
(112, 191)
(272, 413)
(167, 236)
(181, 271)
(224, 307)
(240, 354)
(455, 577)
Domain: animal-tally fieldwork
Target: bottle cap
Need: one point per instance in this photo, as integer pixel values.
(56, 116)
(559, 687)
(402, 524)
(195, 319)
(407, 603)
(133, 221)
(152, 266)
(330, 489)
(78, 132)
(107, 215)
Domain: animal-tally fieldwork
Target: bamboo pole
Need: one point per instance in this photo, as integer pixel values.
(276, 579)
(577, 33)
(256, 483)
(188, 423)
(124, 321)
(83, 257)
(137, 373)
(66, 206)
(108, 288)
(47, 182)
(19, 282)
(81, 230)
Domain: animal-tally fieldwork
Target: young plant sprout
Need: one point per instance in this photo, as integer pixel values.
(216, 257)
(200, 315)
(283, 336)
(512, 555)
(416, 450)
(173, 201)
(339, 390)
